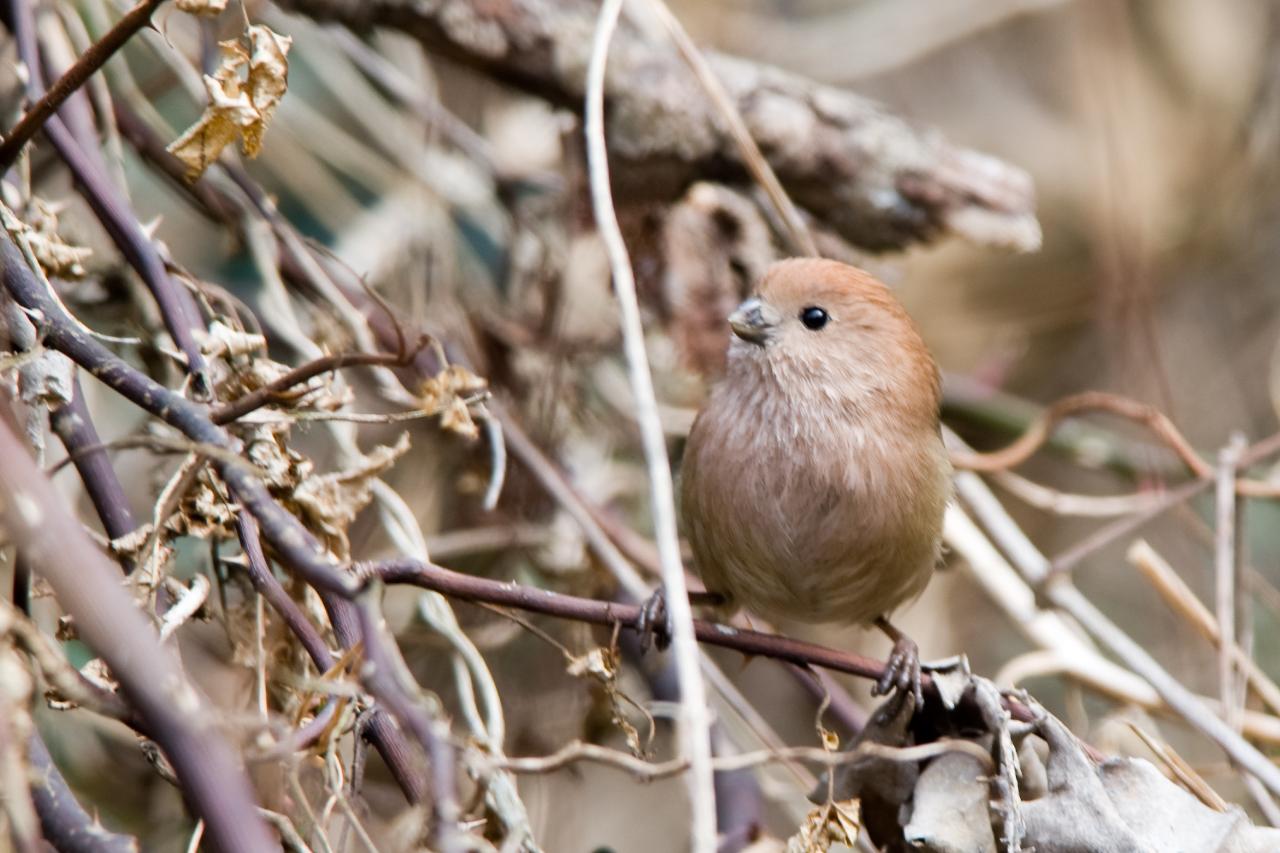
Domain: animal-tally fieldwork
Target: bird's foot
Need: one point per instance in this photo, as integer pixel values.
(902, 671)
(654, 624)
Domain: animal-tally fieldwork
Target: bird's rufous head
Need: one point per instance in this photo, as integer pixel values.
(829, 328)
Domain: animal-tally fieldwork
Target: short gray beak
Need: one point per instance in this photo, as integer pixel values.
(754, 321)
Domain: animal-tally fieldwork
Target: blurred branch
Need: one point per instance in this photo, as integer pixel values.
(993, 410)
(1038, 432)
(641, 769)
(1183, 601)
(85, 584)
(109, 204)
(63, 821)
(1064, 596)
(797, 232)
(71, 80)
(847, 42)
(880, 183)
(386, 678)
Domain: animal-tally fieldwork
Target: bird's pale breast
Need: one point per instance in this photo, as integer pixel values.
(811, 517)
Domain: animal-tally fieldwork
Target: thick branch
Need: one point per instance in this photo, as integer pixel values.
(63, 821)
(879, 182)
(87, 586)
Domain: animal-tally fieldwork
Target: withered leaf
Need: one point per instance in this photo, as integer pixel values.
(330, 502)
(447, 393)
(222, 341)
(243, 95)
(56, 256)
(204, 8)
(601, 666)
(828, 824)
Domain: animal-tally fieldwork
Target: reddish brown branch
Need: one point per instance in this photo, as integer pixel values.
(1038, 433)
(66, 85)
(505, 594)
(279, 388)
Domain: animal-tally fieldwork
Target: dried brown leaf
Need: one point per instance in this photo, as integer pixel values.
(56, 256)
(205, 511)
(203, 8)
(222, 341)
(240, 107)
(828, 824)
(268, 81)
(330, 502)
(601, 666)
(447, 393)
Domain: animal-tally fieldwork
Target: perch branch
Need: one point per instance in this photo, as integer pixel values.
(608, 613)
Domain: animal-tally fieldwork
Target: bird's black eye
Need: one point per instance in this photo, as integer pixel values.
(814, 318)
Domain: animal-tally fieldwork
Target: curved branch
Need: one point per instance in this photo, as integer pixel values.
(1038, 433)
(63, 821)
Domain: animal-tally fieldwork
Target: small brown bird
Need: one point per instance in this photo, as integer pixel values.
(815, 478)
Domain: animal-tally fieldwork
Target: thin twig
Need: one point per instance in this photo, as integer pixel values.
(578, 751)
(797, 232)
(1121, 527)
(64, 823)
(1227, 572)
(1183, 772)
(1042, 427)
(1067, 503)
(277, 389)
(1062, 594)
(695, 724)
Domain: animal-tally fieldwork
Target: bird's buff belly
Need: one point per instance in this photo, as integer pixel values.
(852, 592)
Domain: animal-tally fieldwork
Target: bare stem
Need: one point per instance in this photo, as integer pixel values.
(695, 723)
